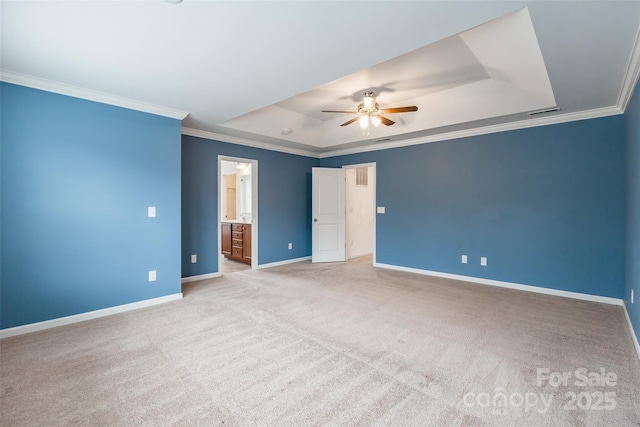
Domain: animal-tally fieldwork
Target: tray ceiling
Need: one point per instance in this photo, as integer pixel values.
(244, 71)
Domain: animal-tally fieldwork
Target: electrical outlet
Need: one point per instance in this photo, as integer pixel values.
(194, 259)
(464, 259)
(631, 296)
(290, 246)
(483, 261)
(152, 276)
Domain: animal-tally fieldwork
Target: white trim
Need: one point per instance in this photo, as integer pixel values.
(503, 127)
(254, 214)
(246, 142)
(633, 333)
(89, 95)
(509, 285)
(629, 81)
(631, 75)
(285, 262)
(68, 320)
(360, 165)
(200, 277)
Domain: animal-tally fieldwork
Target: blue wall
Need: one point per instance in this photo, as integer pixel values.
(77, 178)
(632, 154)
(545, 205)
(284, 203)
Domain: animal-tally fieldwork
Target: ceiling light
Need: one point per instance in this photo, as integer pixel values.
(364, 121)
(286, 131)
(173, 1)
(368, 110)
(369, 101)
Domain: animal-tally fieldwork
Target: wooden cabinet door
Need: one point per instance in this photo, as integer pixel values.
(246, 238)
(226, 238)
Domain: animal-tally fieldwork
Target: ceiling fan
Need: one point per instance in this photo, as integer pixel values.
(369, 112)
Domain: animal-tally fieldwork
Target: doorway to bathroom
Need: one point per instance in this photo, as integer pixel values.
(237, 214)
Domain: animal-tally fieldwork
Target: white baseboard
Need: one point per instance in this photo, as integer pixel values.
(67, 320)
(633, 333)
(285, 262)
(518, 286)
(528, 288)
(200, 277)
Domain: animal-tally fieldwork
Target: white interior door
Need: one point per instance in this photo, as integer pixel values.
(328, 228)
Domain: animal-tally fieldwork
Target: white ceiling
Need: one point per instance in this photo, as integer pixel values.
(243, 71)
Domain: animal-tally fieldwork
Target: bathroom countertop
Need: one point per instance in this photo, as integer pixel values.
(236, 221)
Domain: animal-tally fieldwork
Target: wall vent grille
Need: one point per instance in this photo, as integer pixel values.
(362, 177)
(550, 110)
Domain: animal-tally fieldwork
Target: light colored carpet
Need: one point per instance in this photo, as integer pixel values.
(228, 266)
(328, 344)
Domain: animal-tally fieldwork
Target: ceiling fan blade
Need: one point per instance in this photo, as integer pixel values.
(339, 111)
(399, 110)
(350, 121)
(385, 121)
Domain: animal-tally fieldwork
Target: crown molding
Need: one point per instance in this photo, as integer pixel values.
(246, 142)
(631, 75)
(89, 95)
(504, 127)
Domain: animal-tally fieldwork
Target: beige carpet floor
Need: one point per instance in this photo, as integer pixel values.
(228, 266)
(329, 344)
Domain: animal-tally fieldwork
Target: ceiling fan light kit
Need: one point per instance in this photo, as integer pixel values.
(369, 112)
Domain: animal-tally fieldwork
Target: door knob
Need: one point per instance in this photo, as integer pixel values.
(315, 219)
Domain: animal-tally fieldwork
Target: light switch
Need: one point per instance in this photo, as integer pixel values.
(151, 211)
(380, 209)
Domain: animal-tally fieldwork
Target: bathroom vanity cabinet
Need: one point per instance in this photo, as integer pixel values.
(236, 241)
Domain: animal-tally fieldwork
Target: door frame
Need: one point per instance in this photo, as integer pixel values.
(375, 213)
(254, 207)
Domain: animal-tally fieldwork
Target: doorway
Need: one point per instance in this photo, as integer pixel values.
(360, 207)
(237, 214)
